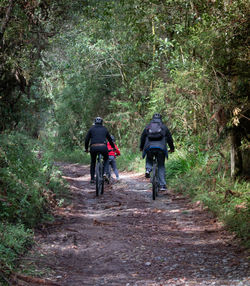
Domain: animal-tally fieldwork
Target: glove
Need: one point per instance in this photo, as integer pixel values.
(87, 151)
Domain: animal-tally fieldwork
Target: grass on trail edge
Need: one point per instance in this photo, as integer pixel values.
(201, 178)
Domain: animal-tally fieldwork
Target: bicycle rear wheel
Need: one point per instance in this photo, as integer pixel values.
(99, 177)
(155, 184)
(102, 180)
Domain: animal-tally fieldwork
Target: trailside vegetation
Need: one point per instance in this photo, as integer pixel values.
(62, 64)
(30, 185)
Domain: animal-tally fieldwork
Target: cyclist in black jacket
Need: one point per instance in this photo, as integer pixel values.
(148, 144)
(97, 136)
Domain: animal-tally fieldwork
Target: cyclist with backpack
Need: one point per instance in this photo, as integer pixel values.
(156, 136)
(112, 157)
(97, 136)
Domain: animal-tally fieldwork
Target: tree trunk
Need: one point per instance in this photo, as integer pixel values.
(236, 156)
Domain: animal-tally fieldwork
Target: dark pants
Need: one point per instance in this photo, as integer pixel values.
(94, 150)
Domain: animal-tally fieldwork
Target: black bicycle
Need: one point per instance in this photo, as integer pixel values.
(155, 178)
(99, 175)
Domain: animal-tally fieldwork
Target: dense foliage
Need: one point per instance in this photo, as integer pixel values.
(25, 29)
(185, 60)
(29, 187)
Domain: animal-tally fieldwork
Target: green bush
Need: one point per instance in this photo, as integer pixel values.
(130, 160)
(22, 180)
(29, 185)
(182, 161)
(77, 155)
(28, 178)
(14, 240)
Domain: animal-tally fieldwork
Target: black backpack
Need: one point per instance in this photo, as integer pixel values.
(155, 131)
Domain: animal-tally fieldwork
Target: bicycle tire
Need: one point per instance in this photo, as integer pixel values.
(155, 184)
(98, 181)
(99, 177)
(102, 186)
(102, 179)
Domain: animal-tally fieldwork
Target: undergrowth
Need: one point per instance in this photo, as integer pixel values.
(130, 161)
(14, 240)
(76, 155)
(127, 161)
(30, 185)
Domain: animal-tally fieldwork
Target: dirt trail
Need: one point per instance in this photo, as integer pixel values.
(125, 238)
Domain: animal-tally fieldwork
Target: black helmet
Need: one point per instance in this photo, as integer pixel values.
(156, 116)
(112, 137)
(98, 120)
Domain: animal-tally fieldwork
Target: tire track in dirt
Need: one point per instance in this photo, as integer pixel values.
(125, 238)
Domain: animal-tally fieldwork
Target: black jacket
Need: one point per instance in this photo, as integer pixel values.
(146, 144)
(98, 134)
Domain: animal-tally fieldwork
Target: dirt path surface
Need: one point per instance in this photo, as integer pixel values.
(125, 238)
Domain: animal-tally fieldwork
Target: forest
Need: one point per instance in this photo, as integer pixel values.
(62, 63)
